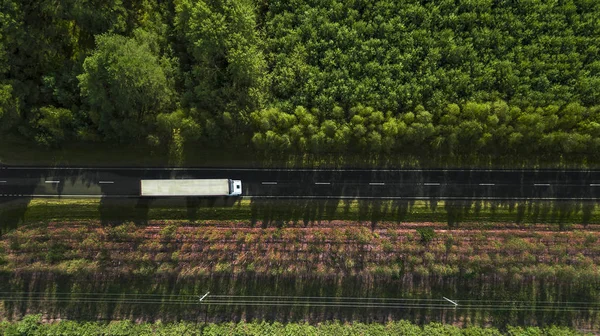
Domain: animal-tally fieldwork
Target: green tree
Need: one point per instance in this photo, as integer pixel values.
(125, 87)
(227, 67)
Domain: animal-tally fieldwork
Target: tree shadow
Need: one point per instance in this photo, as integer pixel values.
(284, 212)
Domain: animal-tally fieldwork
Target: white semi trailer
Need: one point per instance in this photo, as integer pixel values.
(191, 187)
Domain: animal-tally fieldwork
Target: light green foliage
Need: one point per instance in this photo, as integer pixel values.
(176, 148)
(125, 86)
(521, 331)
(438, 329)
(8, 107)
(190, 130)
(72, 328)
(494, 128)
(52, 125)
(31, 325)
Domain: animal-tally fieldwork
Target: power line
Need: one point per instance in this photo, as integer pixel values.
(289, 297)
(304, 303)
(323, 305)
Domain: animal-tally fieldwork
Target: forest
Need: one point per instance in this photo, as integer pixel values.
(443, 77)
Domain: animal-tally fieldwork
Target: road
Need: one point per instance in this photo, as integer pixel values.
(309, 183)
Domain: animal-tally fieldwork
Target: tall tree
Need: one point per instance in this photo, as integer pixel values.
(125, 86)
(226, 65)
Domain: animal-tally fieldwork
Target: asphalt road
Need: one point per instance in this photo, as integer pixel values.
(309, 183)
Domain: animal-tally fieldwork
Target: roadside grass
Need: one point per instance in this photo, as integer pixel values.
(285, 213)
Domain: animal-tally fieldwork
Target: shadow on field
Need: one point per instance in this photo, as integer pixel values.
(313, 212)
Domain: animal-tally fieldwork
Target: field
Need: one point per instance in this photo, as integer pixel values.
(85, 270)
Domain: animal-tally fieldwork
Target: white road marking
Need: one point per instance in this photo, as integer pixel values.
(52, 181)
(541, 184)
(269, 183)
(323, 183)
(487, 184)
(106, 182)
(431, 184)
(377, 183)
(594, 185)
(2, 181)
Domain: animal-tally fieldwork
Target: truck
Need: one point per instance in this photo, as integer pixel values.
(191, 187)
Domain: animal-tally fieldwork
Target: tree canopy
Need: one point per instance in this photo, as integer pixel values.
(378, 76)
(125, 86)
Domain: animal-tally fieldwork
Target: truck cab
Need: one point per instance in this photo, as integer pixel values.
(236, 188)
